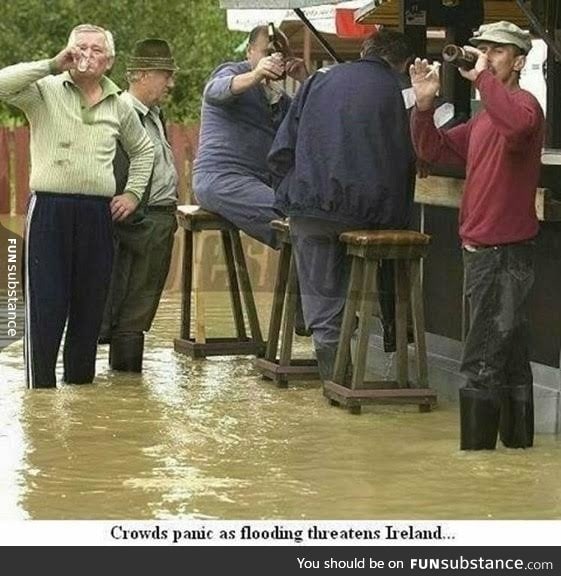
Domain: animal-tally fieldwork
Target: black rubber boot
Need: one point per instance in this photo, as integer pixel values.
(125, 352)
(517, 417)
(299, 322)
(479, 418)
(326, 361)
(389, 333)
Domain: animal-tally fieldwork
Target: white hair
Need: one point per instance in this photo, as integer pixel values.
(134, 75)
(109, 42)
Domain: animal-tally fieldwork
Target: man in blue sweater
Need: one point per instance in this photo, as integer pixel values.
(343, 160)
(243, 106)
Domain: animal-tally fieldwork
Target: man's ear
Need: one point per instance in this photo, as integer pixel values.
(519, 62)
(110, 62)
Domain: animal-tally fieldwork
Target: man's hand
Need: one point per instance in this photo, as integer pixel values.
(295, 68)
(481, 64)
(67, 58)
(122, 206)
(425, 80)
(269, 68)
(422, 168)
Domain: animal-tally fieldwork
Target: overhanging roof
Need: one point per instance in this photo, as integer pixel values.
(274, 3)
(386, 12)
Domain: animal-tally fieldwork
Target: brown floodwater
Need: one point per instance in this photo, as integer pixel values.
(209, 439)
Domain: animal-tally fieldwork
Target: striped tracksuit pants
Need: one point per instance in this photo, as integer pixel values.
(68, 259)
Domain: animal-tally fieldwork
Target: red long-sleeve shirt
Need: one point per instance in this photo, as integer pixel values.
(501, 149)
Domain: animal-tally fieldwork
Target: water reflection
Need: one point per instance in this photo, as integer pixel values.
(210, 439)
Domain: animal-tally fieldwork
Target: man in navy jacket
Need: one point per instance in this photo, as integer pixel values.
(343, 160)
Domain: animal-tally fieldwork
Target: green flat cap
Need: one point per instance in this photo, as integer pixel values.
(503, 33)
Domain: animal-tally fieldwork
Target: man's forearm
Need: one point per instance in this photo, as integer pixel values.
(243, 82)
(14, 79)
(140, 169)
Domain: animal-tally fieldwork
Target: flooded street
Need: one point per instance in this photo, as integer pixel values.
(211, 439)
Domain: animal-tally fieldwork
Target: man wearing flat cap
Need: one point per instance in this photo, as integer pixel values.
(500, 149)
(144, 241)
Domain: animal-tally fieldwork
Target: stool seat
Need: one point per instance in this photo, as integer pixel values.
(193, 217)
(194, 220)
(283, 230)
(385, 237)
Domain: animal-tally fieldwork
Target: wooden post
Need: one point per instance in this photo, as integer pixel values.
(413, 23)
(307, 49)
(21, 166)
(553, 116)
(4, 172)
(200, 308)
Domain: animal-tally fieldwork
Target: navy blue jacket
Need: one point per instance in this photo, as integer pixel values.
(343, 152)
(237, 130)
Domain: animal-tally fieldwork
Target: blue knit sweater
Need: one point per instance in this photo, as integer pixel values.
(237, 130)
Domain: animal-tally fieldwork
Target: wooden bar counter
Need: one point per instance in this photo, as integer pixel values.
(437, 201)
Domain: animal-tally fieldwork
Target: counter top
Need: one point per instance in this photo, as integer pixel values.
(447, 191)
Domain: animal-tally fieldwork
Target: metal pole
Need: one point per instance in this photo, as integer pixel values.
(327, 47)
(537, 25)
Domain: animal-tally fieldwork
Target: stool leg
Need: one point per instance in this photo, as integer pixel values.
(368, 299)
(278, 301)
(233, 285)
(187, 275)
(200, 329)
(348, 323)
(401, 305)
(245, 285)
(289, 315)
(419, 324)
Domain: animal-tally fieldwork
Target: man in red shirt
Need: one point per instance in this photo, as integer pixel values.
(500, 149)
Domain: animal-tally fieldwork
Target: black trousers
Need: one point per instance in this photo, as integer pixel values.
(69, 253)
(498, 281)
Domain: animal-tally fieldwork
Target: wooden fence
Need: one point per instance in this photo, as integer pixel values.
(14, 164)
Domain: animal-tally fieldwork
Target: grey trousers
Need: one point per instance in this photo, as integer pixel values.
(138, 277)
(245, 201)
(323, 271)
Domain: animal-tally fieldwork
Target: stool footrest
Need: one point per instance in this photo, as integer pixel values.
(347, 396)
(219, 347)
(299, 369)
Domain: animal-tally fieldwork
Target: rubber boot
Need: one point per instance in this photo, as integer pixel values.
(299, 322)
(479, 418)
(125, 352)
(326, 361)
(517, 417)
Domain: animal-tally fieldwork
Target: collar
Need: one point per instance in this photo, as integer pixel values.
(108, 87)
(376, 59)
(139, 106)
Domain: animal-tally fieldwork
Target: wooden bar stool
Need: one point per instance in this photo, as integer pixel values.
(283, 367)
(406, 248)
(195, 221)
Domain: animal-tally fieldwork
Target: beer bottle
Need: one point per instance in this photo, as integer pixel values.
(459, 57)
